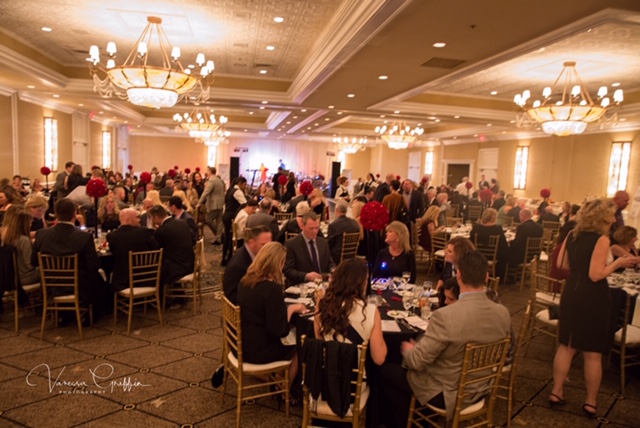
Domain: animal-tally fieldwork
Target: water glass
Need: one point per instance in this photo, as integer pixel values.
(425, 312)
(407, 301)
(428, 287)
(373, 299)
(406, 276)
(304, 290)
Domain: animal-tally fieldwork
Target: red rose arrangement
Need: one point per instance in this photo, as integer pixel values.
(282, 180)
(398, 177)
(176, 167)
(468, 185)
(171, 173)
(197, 169)
(545, 193)
(424, 180)
(187, 170)
(130, 167)
(306, 188)
(374, 216)
(486, 195)
(45, 170)
(145, 177)
(95, 167)
(377, 175)
(96, 188)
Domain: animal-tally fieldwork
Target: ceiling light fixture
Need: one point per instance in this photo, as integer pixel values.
(399, 135)
(350, 145)
(278, 19)
(569, 109)
(439, 45)
(47, 29)
(202, 124)
(271, 48)
(263, 71)
(383, 77)
(149, 76)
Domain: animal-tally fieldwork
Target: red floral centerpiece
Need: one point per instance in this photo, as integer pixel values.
(197, 169)
(130, 167)
(306, 187)
(45, 170)
(377, 175)
(424, 180)
(145, 177)
(545, 193)
(398, 177)
(374, 216)
(187, 170)
(171, 173)
(282, 180)
(486, 195)
(96, 188)
(176, 167)
(468, 185)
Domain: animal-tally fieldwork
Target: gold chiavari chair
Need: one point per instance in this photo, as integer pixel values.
(189, 285)
(283, 217)
(350, 243)
(490, 251)
(626, 342)
(546, 293)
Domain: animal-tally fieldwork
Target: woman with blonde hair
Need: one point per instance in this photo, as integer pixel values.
(428, 225)
(187, 206)
(154, 195)
(108, 213)
(584, 253)
(317, 201)
(265, 317)
(397, 257)
(37, 206)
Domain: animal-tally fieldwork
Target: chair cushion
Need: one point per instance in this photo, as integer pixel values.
(543, 257)
(249, 367)
(543, 317)
(466, 411)
(186, 278)
(324, 409)
(138, 291)
(31, 287)
(633, 336)
(439, 253)
(547, 298)
(70, 298)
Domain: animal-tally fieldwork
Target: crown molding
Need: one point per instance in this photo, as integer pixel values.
(31, 68)
(7, 91)
(45, 102)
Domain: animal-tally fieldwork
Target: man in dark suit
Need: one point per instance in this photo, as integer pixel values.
(527, 229)
(263, 218)
(64, 239)
(130, 236)
(174, 238)
(515, 211)
(308, 255)
(338, 227)
(499, 200)
(548, 215)
(482, 183)
(413, 200)
(385, 188)
(177, 210)
(255, 238)
(167, 190)
(61, 192)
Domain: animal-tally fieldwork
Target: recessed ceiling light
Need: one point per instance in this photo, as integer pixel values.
(191, 66)
(56, 96)
(326, 119)
(303, 110)
(383, 77)
(437, 120)
(439, 45)
(339, 112)
(250, 112)
(504, 132)
(315, 124)
(396, 112)
(494, 92)
(47, 29)
(261, 107)
(512, 121)
(455, 138)
(616, 84)
(623, 119)
(101, 112)
(331, 106)
(308, 127)
(419, 124)
(456, 117)
(288, 122)
(541, 50)
(475, 135)
(489, 124)
(245, 130)
(80, 105)
(351, 95)
(31, 87)
(271, 48)
(126, 121)
(278, 19)
(263, 71)
(265, 102)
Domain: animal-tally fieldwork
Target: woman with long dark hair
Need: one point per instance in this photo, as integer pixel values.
(15, 231)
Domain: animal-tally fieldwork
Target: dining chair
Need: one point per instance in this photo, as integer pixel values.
(359, 391)
(283, 217)
(489, 249)
(438, 246)
(164, 199)
(454, 210)
(481, 365)
(416, 232)
(475, 211)
(493, 284)
(509, 371)
(11, 284)
(532, 249)
(144, 286)
(554, 226)
(289, 235)
(59, 277)
(277, 372)
(626, 341)
(546, 293)
(507, 221)
(350, 243)
(189, 285)
(199, 217)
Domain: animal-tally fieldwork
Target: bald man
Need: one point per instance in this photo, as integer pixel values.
(527, 229)
(385, 188)
(128, 237)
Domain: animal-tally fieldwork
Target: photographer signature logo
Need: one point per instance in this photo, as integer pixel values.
(100, 381)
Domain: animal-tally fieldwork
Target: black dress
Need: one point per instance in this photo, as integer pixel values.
(264, 322)
(387, 266)
(585, 306)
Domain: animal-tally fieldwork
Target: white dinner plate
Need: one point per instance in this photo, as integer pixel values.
(406, 287)
(379, 286)
(403, 292)
(397, 314)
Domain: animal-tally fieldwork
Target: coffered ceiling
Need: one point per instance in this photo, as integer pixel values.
(321, 74)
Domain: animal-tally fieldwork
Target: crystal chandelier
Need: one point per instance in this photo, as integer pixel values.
(350, 145)
(149, 77)
(399, 135)
(569, 109)
(215, 139)
(200, 123)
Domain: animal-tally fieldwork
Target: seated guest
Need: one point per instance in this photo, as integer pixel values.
(456, 247)
(295, 224)
(142, 194)
(185, 201)
(498, 200)
(397, 257)
(240, 220)
(108, 213)
(443, 203)
(527, 229)
(263, 217)
(428, 226)
(565, 215)
(128, 237)
(145, 216)
(64, 239)
(293, 202)
(338, 227)
(7, 199)
(15, 232)
(174, 238)
(317, 201)
(449, 292)
(120, 195)
(344, 310)
(308, 255)
(483, 230)
(265, 317)
(167, 190)
(625, 246)
(515, 211)
(431, 367)
(37, 206)
(254, 239)
(548, 215)
(178, 211)
(505, 209)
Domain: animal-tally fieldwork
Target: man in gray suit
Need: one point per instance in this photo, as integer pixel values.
(213, 197)
(435, 361)
(308, 255)
(338, 227)
(59, 186)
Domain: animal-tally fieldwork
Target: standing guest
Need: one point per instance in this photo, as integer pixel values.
(128, 237)
(358, 186)
(308, 255)
(192, 195)
(431, 367)
(197, 183)
(384, 188)
(254, 239)
(59, 187)
(290, 188)
(428, 226)
(527, 229)
(265, 317)
(233, 201)
(276, 184)
(397, 257)
(338, 227)
(263, 218)
(174, 238)
(413, 201)
(213, 199)
(483, 230)
(587, 292)
(394, 203)
(317, 201)
(37, 206)
(75, 179)
(241, 219)
(369, 182)
(15, 231)
(461, 188)
(483, 183)
(108, 213)
(621, 200)
(178, 211)
(495, 187)
(344, 307)
(342, 192)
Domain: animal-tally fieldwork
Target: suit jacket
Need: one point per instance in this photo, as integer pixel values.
(528, 229)
(416, 206)
(193, 227)
(394, 202)
(382, 191)
(178, 258)
(233, 273)
(166, 191)
(59, 186)
(498, 203)
(548, 217)
(64, 239)
(122, 240)
(213, 194)
(337, 229)
(299, 263)
(264, 219)
(435, 363)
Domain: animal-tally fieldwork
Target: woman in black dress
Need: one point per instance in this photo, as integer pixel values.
(397, 257)
(585, 306)
(265, 317)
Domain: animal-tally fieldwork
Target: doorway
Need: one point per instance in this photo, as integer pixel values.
(455, 173)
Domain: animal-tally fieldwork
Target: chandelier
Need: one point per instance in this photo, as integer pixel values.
(569, 109)
(399, 135)
(215, 139)
(200, 123)
(350, 145)
(149, 77)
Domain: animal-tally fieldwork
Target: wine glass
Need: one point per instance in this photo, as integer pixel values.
(428, 287)
(303, 291)
(395, 282)
(317, 282)
(406, 276)
(407, 301)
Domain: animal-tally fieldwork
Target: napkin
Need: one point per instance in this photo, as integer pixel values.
(307, 301)
(293, 290)
(418, 322)
(390, 326)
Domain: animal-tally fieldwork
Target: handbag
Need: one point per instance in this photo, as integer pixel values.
(218, 376)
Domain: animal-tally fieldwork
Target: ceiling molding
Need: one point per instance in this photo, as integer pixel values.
(45, 102)
(439, 109)
(318, 114)
(22, 64)
(121, 110)
(7, 91)
(276, 119)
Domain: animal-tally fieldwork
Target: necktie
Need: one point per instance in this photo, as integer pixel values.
(314, 255)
